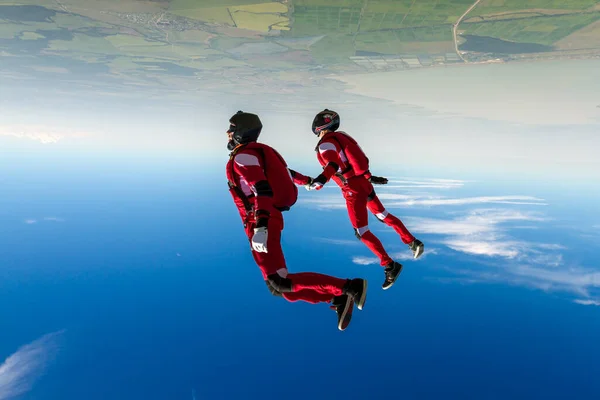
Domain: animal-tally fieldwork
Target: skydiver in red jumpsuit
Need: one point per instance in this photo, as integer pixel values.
(262, 186)
(343, 161)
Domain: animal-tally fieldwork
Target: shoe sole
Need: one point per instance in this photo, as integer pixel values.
(361, 302)
(392, 284)
(345, 313)
(420, 250)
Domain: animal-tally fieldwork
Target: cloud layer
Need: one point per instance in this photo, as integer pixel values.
(40, 133)
(482, 233)
(414, 195)
(21, 369)
(31, 221)
(398, 256)
(483, 228)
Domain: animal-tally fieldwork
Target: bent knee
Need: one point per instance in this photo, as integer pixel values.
(359, 232)
(272, 290)
(372, 196)
(382, 215)
(279, 283)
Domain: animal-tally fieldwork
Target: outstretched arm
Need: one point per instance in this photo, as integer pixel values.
(299, 179)
(330, 154)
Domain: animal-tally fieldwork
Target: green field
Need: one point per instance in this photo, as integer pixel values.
(405, 40)
(223, 11)
(486, 7)
(84, 44)
(323, 17)
(196, 4)
(545, 30)
(194, 40)
(121, 41)
(214, 14)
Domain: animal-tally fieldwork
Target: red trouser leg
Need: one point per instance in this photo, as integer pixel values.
(320, 283)
(274, 259)
(356, 204)
(308, 286)
(309, 296)
(382, 214)
(313, 287)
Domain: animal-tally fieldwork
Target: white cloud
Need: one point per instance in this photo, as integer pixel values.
(324, 202)
(479, 221)
(530, 264)
(542, 258)
(575, 278)
(485, 233)
(49, 219)
(54, 219)
(398, 256)
(342, 242)
(587, 302)
(501, 246)
(480, 233)
(394, 200)
(551, 246)
(365, 260)
(487, 248)
(440, 201)
(447, 227)
(40, 133)
(44, 137)
(583, 282)
(19, 371)
(425, 183)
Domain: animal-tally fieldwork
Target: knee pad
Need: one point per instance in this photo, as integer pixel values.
(279, 283)
(359, 232)
(272, 289)
(371, 196)
(382, 215)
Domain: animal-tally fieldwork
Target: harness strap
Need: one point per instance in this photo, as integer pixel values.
(239, 192)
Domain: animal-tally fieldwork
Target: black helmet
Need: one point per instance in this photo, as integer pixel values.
(326, 119)
(245, 127)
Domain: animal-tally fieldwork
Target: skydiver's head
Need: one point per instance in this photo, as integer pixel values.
(325, 121)
(243, 128)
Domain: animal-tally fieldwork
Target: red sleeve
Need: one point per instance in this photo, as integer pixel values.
(330, 153)
(249, 165)
(298, 178)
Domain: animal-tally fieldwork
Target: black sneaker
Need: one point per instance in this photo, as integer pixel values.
(357, 288)
(392, 270)
(417, 248)
(343, 306)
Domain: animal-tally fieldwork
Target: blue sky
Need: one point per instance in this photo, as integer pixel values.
(141, 275)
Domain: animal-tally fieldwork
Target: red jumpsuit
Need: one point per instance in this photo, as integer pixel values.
(246, 170)
(359, 195)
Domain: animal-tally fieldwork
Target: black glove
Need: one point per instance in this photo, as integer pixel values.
(378, 180)
(319, 181)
